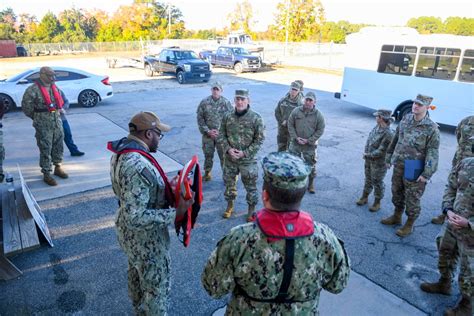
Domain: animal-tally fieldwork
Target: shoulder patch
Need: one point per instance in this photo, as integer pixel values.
(147, 175)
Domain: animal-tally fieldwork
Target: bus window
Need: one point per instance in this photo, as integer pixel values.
(397, 60)
(438, 63)
(467, 67)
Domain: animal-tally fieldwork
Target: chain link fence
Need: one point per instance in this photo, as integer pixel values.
(303, 54)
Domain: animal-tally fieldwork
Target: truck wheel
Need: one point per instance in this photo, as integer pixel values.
(88, 98)
(238, 68)
(6, 101)
(148, 70)
(180, 77)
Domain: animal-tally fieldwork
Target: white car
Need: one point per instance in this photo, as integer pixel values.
(79, 86)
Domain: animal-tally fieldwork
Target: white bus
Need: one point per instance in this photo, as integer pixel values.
(388, 67)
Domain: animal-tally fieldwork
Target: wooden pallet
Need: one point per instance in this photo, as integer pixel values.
(22, 223)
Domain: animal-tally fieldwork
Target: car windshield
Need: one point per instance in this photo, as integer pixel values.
(240, 51)
(180, 55)
(19, 76)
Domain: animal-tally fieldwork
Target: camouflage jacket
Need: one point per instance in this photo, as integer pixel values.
(464, 131)
(459, 196)
(246, 258)
(33, 99)
(142, 218)
(377, 143)
(245, 133)
(210, 112)
(284, 108)
(415, 141)
(309, 125)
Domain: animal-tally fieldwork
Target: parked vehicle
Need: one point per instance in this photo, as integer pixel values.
(184, 64)
(237, 58)
(21, 51)
(79, 86)
(389, 66)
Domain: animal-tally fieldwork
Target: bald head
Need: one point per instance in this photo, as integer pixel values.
(47, 75)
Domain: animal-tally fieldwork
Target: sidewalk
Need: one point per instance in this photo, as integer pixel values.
(361, 297)
(91, 132)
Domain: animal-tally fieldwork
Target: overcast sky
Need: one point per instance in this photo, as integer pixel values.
(208, 14)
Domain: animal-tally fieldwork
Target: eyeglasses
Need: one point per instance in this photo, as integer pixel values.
(158, 132)
(240, 98)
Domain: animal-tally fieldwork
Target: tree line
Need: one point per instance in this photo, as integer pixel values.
(295, 20)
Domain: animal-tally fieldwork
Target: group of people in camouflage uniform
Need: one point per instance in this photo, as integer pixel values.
(278, 263)
(417, 138)
(282, 245)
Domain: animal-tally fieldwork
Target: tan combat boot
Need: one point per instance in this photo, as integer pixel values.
(250, 212)
(407, 229)
(229, 210)
(395, 219)
(311, 185)
(443, 286)
(376, 206)
(464, 308)
(363, 199)
(49, 180)
(58, 171)
(207, 176)
(438, 220)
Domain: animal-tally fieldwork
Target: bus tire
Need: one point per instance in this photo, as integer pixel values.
(403, 110)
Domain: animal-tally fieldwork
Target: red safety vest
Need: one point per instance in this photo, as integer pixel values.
(58, 100)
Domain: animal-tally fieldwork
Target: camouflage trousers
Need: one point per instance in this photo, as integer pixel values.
(50, 143)
(283, 138)
(249, 173)
(209, 146)
(375, 171)
(2, 152)
(149, 286)
(406, 194)
(307, 153)
(466, 283)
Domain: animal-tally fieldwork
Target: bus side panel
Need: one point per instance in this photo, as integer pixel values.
(453, 100)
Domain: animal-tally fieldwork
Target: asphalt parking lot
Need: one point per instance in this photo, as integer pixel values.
(85, 272)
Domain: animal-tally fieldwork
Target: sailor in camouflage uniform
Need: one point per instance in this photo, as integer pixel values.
(240, 136)
(464, 132)
(305, 127)
(278, 264)
(209, 117)
(285, 106)
(416, 138)
(144, 214)
(458, 238)
(2, 149)
(47, 123)
(374, 155)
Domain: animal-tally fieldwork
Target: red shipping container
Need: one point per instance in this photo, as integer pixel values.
(7, 48)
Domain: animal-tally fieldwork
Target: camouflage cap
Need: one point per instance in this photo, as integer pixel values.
(47, 71)
(285, 171)
(301, 84)
(310, 95)
(423, 99)
(146, 120)
(385, 114)
(217, 85)
(295, 85)
(242, 93)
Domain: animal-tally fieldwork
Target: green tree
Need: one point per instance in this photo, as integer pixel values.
(459, 26)
(48, 28)
(7, 24)
(303, 18)
(426, 24)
